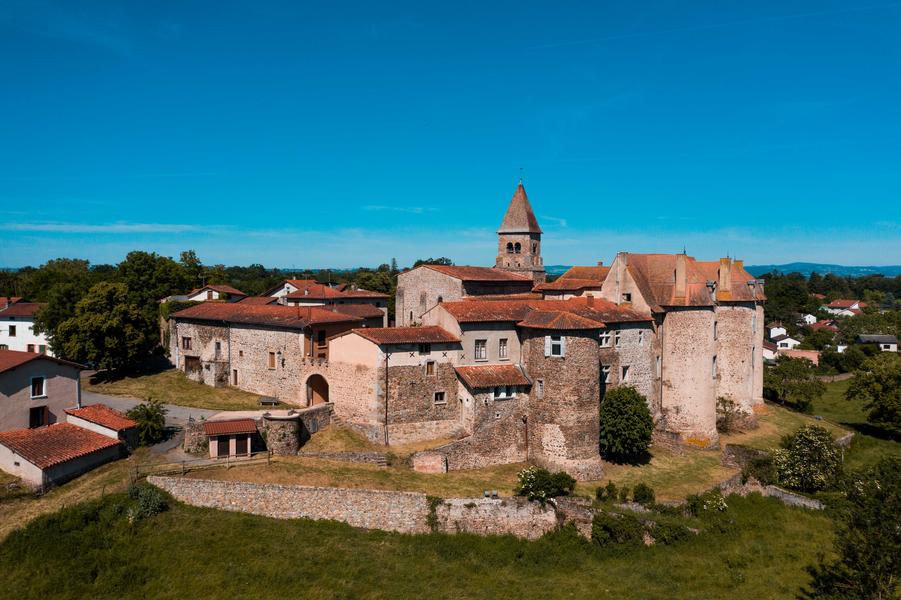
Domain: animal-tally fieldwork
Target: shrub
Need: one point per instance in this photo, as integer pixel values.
(607, 492)
(150, 502)
(877, 385)
(624, 493)
(151, 419)
(536, 483)
(727, 415)
(760, 468)
(808, 460)
(617, 530)
(708, 502)
(669, 533)
(644, 495)
(626, 425)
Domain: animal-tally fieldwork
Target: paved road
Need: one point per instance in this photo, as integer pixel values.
(176, 416)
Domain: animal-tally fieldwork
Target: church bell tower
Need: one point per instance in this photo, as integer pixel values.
(519, 239)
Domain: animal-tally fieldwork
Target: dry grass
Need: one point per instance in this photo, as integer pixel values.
(336, 439)
(172, 387)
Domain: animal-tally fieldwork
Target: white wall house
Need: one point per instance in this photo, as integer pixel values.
(784, 342)
(216, 292)
(885, 343)
(808, 319)
(17, 329)
(775, 330)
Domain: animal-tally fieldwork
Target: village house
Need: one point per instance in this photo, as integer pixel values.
(786, 342)
(807, 319)
(36, 389)
(372, 307)
(506, 366)
(17, 327)
(844, 307)
(884, 343)
(775, 329)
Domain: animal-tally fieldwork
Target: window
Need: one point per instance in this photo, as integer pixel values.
(504, 392)
(12, 331)
(320, 337)
(37, 387)
(715, 333)
(209, 295)
(625, 373)
(218, 349)
(627, 297)
(42, 349)
(439, 398)
(481, 350)
(234, 376)
(554, 345)
(272, 360)
(713, 368)
(509, 247)
(425, 348)
(534, 248)
(31, 348)
(240, 354)
(657, 367)
(4, 347)
(430, 367)
(605, 373)
(641, 337)
(539, 387)
(605, 339)
(617, 337)
(411, 316)
(185, 343)
(517, 248)
(502, 348)
(38, 416)
(886, 347)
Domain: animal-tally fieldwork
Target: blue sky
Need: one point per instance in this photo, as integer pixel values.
(337, 134)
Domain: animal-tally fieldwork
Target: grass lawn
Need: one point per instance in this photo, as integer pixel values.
(170, 386)
(91, 551)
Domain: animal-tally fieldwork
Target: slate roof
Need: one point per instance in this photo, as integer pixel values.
(10, 359)
(478, 274)
(55, 444)
(407, 335)
(487, 376)
(289, 317)
(21, 309)
(519, 217)
(230, 427)
(876, 339)
(103, 415)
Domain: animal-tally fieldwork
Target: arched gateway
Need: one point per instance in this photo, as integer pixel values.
(317, 390)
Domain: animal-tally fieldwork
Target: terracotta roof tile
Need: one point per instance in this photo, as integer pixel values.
(222, 289)
(482, 274)
(570, 284)
(486, 311)
(10, 359)
(230, 427)
(101, 414)
(553, 319)
(840, 303)
(258, 300)
(320, 291)
(21, 309)
(487, 376)
(519, 217)
(594, 273)
(290, 317)
(407, 335)
(6, 301)
(364, 311)
(55, 444)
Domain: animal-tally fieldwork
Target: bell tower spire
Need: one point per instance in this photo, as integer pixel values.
(519, 239)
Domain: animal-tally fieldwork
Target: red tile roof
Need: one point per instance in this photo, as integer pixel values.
(289, 317)
(520, 296)
(827, 325)
(594, 273)
(6, 301)
(840, 303)
(230, 427)
(222, 289)
(596, 309)
(486, 376)
(364, 311)
(21, 309)
(480, 274)
(258, 300)
(103, 415)
(10, 359)
(570, 284)
(551, 319)
(519, 217)
(407, 335)
(320, 291)
(55, 444)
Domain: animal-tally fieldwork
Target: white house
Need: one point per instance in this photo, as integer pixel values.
(785, 342)
(769, 351)
(216, 292)
(845, 307)
(17, 329)
(808, 319)
(776, 329)
(885, 343)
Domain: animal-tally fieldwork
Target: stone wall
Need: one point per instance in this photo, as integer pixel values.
(413, 414)
(496, 516)
(563, 424)
(737, 354)
(638, 349)
(418, 291)
(196, 441)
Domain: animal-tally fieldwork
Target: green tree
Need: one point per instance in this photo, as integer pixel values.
(107, 329)
(626, 425)
(192, 267)
(868, 540)
(151, 419)
(443, 260)
(150, 277)
(877, 385)
(793, 380)
(808, 460)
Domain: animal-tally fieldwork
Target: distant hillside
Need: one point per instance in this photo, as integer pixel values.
(841, 270)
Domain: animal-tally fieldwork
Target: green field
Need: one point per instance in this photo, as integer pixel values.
(91, 551)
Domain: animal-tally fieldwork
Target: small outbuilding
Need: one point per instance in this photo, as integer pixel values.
(230, 438)
(885, 343)
(102, 419)
(54, 454)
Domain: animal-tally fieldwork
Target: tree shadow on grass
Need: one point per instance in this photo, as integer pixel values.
(635, 461)
(153, 365)
(875, 431)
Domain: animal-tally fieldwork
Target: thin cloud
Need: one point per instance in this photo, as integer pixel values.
(412, 210)
(559, 222)
(116, 228)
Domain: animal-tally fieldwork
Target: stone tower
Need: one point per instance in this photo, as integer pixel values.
(519, 239)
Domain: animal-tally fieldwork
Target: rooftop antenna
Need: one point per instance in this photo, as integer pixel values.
(684, 251)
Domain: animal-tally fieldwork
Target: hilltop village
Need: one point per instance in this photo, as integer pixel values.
(509, 367)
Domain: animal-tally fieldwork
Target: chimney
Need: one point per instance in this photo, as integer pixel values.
(600, 263)
(681, 276)
(589, 300)
(739, 263)
(724, 282)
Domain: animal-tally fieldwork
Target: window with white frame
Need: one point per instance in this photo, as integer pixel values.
(480, 351)
(38, 387)
(502, 348)
(625, 374)
(554, 345)
(605, 338)
(539, 387)
(430, 367)
(617, 337)
(504, 392)
(425, 348)
(605, 373)
(627, 297)
(440, 398)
